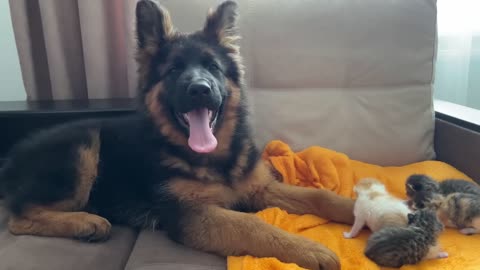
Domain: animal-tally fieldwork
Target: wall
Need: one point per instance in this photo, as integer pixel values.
(11, 83)
(457, 69)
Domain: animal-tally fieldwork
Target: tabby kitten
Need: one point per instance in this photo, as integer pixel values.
(421, 189)
(398, 246)
(458, 210)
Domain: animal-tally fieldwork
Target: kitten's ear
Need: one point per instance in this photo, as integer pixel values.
(411, 218)
(154, 25)
(221, 24)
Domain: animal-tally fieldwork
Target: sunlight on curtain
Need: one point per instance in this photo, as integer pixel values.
(457, 75)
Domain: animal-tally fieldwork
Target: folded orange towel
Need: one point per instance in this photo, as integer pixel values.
(322, 168)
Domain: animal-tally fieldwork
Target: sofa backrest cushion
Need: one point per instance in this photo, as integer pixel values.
(354, 76)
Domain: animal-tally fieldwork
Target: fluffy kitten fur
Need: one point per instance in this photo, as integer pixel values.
(420, 189)
(457, 202)
(458, 210)
(397, 246)
(376, 208)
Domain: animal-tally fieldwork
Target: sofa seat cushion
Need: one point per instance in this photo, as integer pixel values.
(153, 250)
(46, 253)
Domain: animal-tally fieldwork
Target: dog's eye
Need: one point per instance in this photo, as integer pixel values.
(172, 70)
(213, 67)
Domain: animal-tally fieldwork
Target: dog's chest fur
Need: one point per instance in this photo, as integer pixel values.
(138, 170)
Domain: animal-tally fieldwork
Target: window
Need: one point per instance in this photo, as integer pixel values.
(457, 75)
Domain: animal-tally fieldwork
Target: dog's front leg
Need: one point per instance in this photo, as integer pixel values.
(297, 200)
(301, 200)
(226, 232)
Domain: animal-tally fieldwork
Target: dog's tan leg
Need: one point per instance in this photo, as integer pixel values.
(296, 200)
(300, 200)
(45, 222)
(226, 232)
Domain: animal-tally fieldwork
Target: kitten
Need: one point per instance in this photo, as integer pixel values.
(458, 210)
(376, 208)
(420, 189)
(397, 246)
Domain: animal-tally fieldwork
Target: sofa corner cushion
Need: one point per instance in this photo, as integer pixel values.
(153, 250)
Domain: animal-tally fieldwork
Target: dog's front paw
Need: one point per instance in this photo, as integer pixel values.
(315, 256)
(92, 228)
(347, 235)
(324, 258)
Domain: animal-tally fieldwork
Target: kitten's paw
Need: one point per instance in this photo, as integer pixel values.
(347, 235)
(468, 231)
(442, 255)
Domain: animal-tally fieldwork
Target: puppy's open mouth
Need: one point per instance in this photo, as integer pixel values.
(201, 124)
(183, 118)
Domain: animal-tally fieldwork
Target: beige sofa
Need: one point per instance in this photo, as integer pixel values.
(354, 76)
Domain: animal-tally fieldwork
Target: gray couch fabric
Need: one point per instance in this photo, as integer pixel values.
(154, 250)
(42, 253)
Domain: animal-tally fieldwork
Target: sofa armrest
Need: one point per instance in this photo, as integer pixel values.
(457, 137)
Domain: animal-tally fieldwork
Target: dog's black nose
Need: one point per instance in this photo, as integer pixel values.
(199, 89)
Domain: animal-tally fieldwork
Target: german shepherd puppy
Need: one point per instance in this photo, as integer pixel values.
(184, 162)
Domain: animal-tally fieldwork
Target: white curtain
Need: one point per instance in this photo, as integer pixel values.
(457, 75)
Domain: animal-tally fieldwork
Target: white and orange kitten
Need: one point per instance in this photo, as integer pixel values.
(376, 208)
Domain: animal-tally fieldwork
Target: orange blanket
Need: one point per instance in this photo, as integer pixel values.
(322, 168)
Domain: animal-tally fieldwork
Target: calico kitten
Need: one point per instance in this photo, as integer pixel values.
(397, 246)
(458, 210)
(376, 208)
(421, 188)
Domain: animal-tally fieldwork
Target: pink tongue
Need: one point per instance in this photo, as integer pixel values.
(201, 138)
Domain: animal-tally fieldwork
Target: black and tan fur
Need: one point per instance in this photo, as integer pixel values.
(74, 179)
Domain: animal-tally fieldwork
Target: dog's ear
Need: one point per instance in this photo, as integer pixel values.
(221, 24)
(154, 25)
